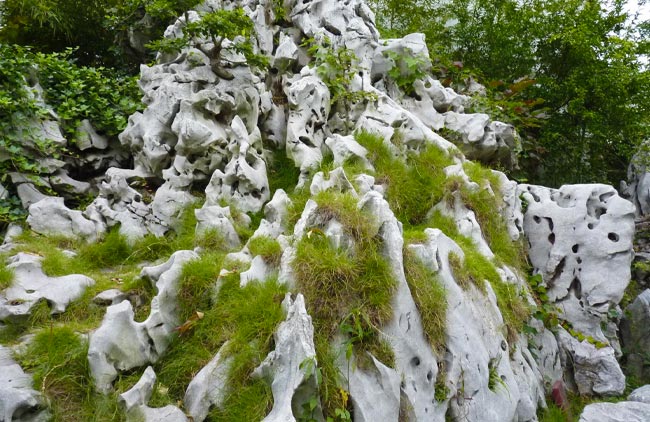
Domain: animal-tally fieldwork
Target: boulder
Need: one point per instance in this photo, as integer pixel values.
(30, 285)
(627, 411)
(19, 402)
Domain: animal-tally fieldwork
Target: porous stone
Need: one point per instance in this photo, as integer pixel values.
(580, 240)
(292, 379)
(121, 343)
(30, 285)
(19, 402)
(50, 216)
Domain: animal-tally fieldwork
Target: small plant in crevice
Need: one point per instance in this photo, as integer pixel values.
(6, 274)
(494, 379)
(310, 409)
(441, 391)
(406, 69)
(338, 67)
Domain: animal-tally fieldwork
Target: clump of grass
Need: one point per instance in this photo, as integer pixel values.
(6, 274)
(430, 297)
(197, 282)
(486, 203)
(269, 249)
(247, 317)
(414, 185)
(462, 274)
(347, 291)
(494, 379)
(57, 357)
(282, 172)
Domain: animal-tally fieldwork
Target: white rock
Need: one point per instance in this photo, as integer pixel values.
(641, 394)
(134, 402)
(208, 388)
(286, 368)
(121, 343)
(616, 412)
(635, 334)
(30, 285)
(219, 219)
(50, 216)
(19, 402)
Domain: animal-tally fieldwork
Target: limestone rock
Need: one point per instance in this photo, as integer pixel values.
(580, 240)
(219, 219)
(616, 412)
(19, 402)
(635, 334)
(595, 371)
(287, 367)
(641, 394)
(30, 285)
(134, 403)
(121, 343)
(50, 216)
(208, 388)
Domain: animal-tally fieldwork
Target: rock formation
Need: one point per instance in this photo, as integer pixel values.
(203, 136)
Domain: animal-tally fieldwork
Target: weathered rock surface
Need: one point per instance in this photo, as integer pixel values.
(580, 239)
(121, 343)
(616, 412)
(641, 394)
(209, 387)
(50, 216)
(134, 403)
(19, 402)
(635, 334)
(287, 368)
(30, 285)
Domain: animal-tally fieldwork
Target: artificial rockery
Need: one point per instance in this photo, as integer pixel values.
(346, 260)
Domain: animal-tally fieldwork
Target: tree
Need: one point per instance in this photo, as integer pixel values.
(568, 69)
(214, 28)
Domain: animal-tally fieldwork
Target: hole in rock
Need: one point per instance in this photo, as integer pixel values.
(550, 223)
(551, 238)
(575, 248)
(30, 291)
(305, 140)
(415, 361)
(537, 219)
(579, 260)
(613, 237)
(590, 226)
(576, 288)
(430, 376)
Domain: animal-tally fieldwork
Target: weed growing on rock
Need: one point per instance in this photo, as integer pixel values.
(430, 298)
(414, 186)
(494, 379)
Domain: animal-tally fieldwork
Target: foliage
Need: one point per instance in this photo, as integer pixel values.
(348, 289)
(215, 27)
(269, 249)
(54, 25)
(568, 74)
(414, 186)
(337, 67)
(57, 358)
(407, 69)
(75, 93)
(6, 274)
(494, 379)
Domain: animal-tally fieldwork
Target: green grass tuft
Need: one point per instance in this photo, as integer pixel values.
(57, 358)
(347, 291)
(269, 249)
(6, 274)
(431, 299)
(414, 186)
